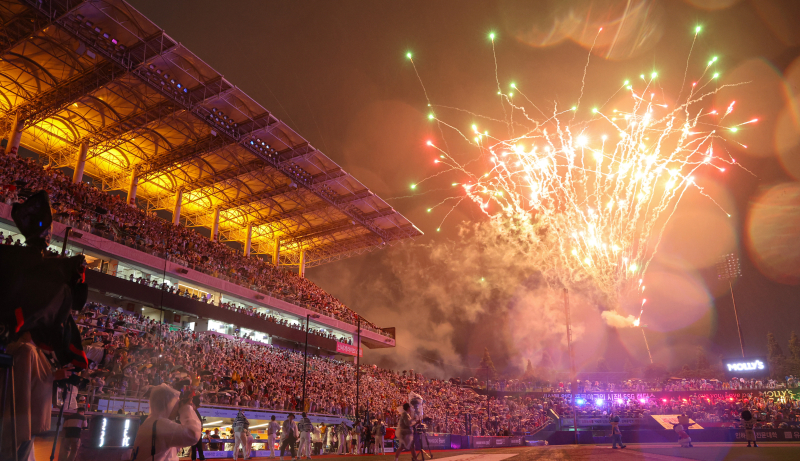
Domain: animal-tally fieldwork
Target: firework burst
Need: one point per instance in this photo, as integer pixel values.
(587, 201)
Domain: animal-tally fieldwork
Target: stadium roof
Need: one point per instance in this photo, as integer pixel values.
(100, 73)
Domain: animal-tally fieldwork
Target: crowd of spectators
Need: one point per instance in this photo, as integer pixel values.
(640, 385)
(86, 207)
(707, 410)
(130, 354)
(247, 310)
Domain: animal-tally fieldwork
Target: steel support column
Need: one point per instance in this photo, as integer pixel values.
(276, 252)
(176, 213)
(132, 186)
(215, 228)
(80, 165)
(302, 266)
(249, 241)
(14, 135)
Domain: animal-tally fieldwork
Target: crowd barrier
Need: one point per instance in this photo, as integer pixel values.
(216, 411)
(110, 437)
(714, 434)
(473, 441)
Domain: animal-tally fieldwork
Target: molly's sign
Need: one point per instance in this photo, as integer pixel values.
(756, 366)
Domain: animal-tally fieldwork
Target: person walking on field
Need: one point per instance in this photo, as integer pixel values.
(405, 434)
(289, 435)
(249, 440)
(272, 429)
(240, 425)
(305, 428)
(616, 434)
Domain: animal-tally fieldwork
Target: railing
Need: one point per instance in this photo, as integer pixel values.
(82, 225)
(233, 308)
(112, 399)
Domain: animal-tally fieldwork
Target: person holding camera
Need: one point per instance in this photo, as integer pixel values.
(33, 385)
(405, 434)
(159, 436)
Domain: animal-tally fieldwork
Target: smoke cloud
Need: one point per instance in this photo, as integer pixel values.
(451, 299)
(617, 320)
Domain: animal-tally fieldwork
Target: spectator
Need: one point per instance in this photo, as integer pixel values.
(71, 443)
(159, 436)
(197, 449)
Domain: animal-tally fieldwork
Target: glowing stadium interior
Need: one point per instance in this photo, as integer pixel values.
(96, 80)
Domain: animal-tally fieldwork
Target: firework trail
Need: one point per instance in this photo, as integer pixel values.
(587, 201)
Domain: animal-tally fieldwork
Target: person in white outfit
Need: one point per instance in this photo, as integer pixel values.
(272, 430)
(341, 432)
(316, 441)
(249, 441)
(159, 437)
(240, 425)
(331, 435)
(305, 427)
(378, 432)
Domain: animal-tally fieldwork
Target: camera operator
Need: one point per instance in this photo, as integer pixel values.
(33, 385)
(405, 434)
(160, 436)
(39, 292)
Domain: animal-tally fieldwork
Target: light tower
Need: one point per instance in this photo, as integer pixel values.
(729, 269)
(572, 375)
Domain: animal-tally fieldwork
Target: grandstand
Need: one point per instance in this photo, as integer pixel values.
(96, 87)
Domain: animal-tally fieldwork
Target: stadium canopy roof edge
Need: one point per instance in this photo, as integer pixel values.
(99, 73)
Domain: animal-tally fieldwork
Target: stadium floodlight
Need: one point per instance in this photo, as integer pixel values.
(729, 268)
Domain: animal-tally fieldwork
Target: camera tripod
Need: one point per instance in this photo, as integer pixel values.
(7, 363)
(421, 434)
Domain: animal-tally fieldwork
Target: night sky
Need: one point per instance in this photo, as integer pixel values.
(336, 72)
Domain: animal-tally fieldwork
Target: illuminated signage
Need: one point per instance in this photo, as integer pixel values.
(751, 366)
(348, 349)
(113, 432)
(126, 440)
